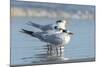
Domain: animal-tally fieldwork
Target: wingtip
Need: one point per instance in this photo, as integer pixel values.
(22, 31)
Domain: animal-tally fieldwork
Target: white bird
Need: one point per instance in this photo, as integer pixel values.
(56, 39)
(48, 27)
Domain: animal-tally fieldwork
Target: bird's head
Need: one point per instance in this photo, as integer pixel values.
(61, 24)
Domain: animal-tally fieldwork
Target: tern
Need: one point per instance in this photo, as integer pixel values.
(55, 39)
(48, 27)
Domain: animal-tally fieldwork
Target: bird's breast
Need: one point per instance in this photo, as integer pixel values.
(66, 39)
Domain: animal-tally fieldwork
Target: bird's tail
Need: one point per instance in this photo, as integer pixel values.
(27, 32)
(31, 33)
(34, 25)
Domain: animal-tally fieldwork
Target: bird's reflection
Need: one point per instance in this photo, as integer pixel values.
(48, 54)
(52, 54)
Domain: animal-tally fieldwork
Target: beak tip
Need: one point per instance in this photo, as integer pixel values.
(71, 33)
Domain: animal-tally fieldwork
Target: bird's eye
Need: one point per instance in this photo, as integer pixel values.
(55, 27)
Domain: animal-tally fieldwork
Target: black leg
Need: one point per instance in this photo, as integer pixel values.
(50, 50)
(57, 50)
(60, 50)
(48, 46)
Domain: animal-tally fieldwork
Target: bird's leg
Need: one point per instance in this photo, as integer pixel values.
(57, 50)
(47, 47)
(60, 50)
(50, 50)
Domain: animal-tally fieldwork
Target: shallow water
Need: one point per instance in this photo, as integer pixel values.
(29, 50)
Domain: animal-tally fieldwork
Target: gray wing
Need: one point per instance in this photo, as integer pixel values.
(47, 27)
(38, 35)
(41, 27)
(35, 25)
(43, 36)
